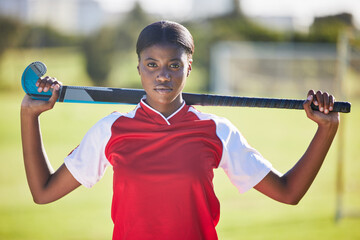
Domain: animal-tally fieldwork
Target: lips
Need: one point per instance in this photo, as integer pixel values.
(163, 89)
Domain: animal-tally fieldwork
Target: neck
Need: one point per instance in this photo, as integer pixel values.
(166, 109)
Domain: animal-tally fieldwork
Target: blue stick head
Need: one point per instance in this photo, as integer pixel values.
(30, 76)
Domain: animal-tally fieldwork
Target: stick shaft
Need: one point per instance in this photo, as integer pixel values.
(233, 101)
(133, 96)
(79, 94)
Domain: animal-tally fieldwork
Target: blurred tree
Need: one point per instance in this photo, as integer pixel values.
(9, 30)
(328, 28)
(99, 49)
(237, 11)
(241, 28)
(127, 31)
(45, 36)
(232, 27)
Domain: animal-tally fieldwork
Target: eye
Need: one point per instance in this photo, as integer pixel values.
(175, 65)
(151, 64)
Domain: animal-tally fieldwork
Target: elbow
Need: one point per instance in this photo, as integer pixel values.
(40, 199)
(292, 200)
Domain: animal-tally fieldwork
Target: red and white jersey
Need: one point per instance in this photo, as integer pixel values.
(163, 170)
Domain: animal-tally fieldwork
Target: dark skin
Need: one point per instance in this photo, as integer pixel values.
(163, 70)
(292, 186)
(45, 185)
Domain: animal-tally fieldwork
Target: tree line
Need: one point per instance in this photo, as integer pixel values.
(99, 48)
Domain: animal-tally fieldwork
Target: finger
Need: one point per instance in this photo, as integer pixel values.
(50, 84)
(55, 95)
(307, 105)
(56, 82)
(320, 101)
(40, 84)
(44, 84)
(326, 102)
(47, 85)
(331, 102)
(311, 92)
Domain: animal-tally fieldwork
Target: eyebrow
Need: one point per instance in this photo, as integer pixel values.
(171, 60)
(150, 59)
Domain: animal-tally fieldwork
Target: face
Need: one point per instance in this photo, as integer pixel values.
(163, 70)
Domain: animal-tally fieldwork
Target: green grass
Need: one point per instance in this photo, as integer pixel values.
(280, 135)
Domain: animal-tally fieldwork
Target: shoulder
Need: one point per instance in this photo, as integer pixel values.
(221, 122)
(225, 129)
(108, 120)
(206, 116)
(104, 125)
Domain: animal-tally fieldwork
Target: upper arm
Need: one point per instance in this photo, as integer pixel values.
(88, 162)
(59, 184)
(244, 166)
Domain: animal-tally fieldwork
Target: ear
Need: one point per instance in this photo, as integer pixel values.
(138, 68)
(189, 67)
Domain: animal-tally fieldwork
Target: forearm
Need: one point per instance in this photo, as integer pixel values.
(292, 186)
(45, 184)
(38, 169)
(299, 179)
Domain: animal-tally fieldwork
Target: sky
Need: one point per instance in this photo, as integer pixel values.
(303, 11)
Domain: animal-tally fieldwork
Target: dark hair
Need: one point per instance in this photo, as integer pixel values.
(165, 32)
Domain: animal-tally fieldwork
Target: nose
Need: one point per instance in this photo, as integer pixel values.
(164, 75)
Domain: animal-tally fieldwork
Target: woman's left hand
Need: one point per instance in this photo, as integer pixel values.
(325, 102)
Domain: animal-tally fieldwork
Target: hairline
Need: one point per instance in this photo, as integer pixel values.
(162, 43)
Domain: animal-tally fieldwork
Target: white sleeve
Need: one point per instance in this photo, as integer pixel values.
(243, 164)
(87, 163)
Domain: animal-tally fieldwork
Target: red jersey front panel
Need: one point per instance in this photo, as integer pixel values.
(163, 170)
(163, 173)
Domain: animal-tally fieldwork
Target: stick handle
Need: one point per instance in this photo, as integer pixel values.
(233, 101)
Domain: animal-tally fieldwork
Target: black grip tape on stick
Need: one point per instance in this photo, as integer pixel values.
(233, 101)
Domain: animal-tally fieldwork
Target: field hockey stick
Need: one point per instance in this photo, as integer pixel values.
(79, 94)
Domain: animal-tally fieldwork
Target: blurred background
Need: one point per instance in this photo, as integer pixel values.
(273, 48)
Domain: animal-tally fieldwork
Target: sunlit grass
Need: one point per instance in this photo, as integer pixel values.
(280, 135)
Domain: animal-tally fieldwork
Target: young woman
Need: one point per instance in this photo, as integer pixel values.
(163, 152)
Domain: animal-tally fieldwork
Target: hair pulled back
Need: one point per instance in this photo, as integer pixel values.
(165, 32)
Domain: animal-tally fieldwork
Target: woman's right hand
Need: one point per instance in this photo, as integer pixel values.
(36, 107)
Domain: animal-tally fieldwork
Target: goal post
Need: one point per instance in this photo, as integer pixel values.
(271, 67)
(274, 69)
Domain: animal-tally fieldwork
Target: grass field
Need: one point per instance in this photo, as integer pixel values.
(280, 135)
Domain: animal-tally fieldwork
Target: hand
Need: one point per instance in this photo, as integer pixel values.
(325, 102)
(36, 107)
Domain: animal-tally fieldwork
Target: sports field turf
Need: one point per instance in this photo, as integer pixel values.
(280, 135)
